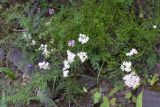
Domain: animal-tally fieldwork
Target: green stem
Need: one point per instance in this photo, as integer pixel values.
(99, 72)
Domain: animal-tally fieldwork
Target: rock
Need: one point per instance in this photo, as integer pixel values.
(29, 68)
(156, 69)
(151, 98)
(2, 54)
(1, 7)
(157, 47)
(17, 57)
(87, 82)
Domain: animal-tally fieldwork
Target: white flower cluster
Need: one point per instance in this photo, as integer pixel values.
(132, 52)
(45, 50)
(83, 38)
(26, 36)
(126, 66)
(66, 64)
(71, 56)
(65, 73)
(131, 79)
(33, 42)
(65, 68)
(83, 56)
(70, 59)
(44, 65)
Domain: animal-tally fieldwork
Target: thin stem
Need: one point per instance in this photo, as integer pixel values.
(99, 72)
(87, 77)
(16, 30)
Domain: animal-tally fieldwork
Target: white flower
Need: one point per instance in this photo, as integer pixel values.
(65, 68)
(47, 23)
(66, 65)
(44, 49)
(41, 47)
(46, 52)
(71, 56)
(26, 36)
(52, 41)
(65, 73)
(33, 42)
(41, 64)
(83, 38)
(154, 26)
(44, 65)
(126, 66)
(141, 15)
(83, 56)
(132, 52)
(131, 80)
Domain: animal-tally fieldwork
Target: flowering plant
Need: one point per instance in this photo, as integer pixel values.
(65, 40)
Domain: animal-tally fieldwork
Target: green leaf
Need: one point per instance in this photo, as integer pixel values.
(134, 99)
(84, 89)
(116, 89)
(8, 72)
(95, 62)
(72, 2)
(151, 60)
(113, 101)
(3, 101)
(139, 100)
(154, 79)
(128, 95)
(105, 102)
(45, 99)
(97, 96)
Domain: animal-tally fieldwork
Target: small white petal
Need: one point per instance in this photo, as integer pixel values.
(132, 52)
(129, 54)
(154, 26)
(65, 73)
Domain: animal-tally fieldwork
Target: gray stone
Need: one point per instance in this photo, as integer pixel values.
(16, 56)
(2, 54)
(87, 82)
(151, 98)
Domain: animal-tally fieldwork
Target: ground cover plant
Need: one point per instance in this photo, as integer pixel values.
(78, 53)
